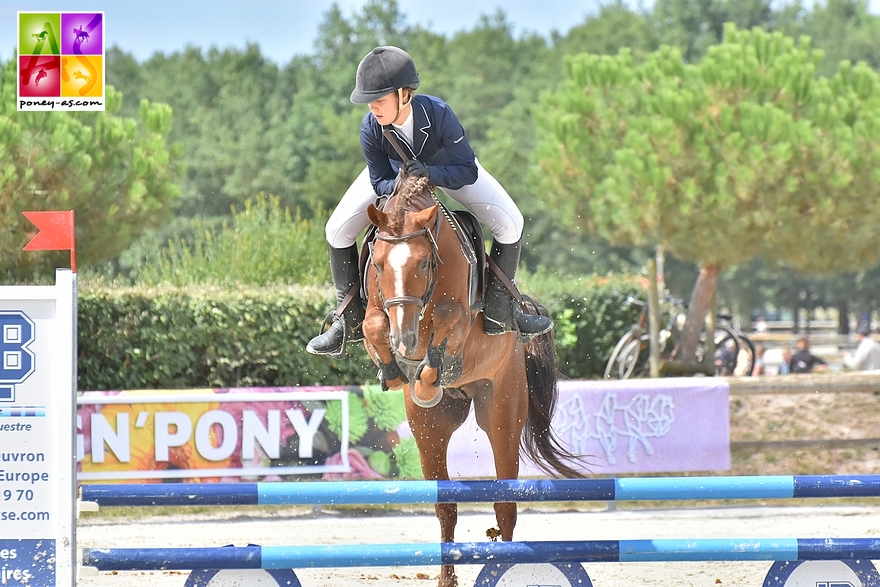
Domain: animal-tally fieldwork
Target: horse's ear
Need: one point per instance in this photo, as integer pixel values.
(375, 215)
(426, 216)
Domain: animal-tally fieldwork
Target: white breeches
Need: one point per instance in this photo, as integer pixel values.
(485, 198)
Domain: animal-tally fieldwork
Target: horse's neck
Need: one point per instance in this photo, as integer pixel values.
(422, 200)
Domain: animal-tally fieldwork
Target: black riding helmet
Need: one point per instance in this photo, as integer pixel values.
(382, 71)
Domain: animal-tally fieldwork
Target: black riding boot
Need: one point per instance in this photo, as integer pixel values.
(347, 327)
(502, 313)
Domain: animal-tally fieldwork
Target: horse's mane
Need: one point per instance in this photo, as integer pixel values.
(410, 194)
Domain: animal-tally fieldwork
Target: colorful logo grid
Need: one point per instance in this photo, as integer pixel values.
(61, 61)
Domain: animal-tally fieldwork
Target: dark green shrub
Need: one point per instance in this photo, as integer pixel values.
(176, 338)
(589, 317)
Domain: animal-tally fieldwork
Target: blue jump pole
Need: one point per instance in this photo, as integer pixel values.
(458, 553)
(412, 492)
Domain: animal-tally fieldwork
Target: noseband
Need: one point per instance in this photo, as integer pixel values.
(421, 302)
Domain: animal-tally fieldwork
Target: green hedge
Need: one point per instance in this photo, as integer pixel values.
(589, 318)
(196, 337)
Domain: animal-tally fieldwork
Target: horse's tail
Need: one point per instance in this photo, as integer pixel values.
(539, 443)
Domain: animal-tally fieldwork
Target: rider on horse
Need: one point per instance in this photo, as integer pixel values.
(438, 150)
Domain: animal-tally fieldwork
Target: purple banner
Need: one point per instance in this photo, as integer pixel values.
(360, 432)
(644, 426)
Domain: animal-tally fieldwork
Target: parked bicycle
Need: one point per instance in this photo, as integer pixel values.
(734, 353)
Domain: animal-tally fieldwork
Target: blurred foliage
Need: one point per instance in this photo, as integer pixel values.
(262, 244)
(662, 150)
(244, 126)
(117, 173)
(746, 153)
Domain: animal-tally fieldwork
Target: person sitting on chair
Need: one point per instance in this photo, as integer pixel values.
(437, 149)
(803, 361)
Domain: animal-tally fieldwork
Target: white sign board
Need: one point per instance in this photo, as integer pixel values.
(37, 455)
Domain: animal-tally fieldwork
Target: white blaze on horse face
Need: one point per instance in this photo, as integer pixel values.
(397, 258)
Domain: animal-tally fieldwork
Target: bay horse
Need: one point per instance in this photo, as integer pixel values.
(423, 333)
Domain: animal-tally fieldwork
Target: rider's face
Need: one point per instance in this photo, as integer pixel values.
(385, 109)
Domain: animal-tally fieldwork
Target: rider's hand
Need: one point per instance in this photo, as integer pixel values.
(417, 169)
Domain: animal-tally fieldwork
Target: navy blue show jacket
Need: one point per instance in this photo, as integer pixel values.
(439, 142)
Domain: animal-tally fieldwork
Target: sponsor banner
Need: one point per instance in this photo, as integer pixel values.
(61, 61)
(643, 426)
(360, 432)
(37, 483)
(253, 434)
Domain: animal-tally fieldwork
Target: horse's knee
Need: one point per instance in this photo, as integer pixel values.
(450, 319)
(377, 328)
(446, 312)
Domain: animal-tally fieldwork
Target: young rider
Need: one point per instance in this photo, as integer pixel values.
(428, 129)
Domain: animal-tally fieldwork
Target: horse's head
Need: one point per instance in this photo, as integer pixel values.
(404, 262)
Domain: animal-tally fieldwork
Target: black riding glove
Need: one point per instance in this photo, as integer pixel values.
(417, 169)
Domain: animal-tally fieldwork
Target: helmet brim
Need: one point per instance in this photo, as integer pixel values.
(359, 97)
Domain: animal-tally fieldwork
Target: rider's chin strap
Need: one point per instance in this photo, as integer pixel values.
(400, 103)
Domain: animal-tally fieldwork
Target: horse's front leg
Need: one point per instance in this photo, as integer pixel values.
(450, 323)
(432, 429)
(377, 339)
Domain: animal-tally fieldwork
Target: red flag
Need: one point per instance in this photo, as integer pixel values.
(54, 233)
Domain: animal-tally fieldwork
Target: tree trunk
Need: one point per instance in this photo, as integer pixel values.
(687, 369)
(701, 299)
(842, 317)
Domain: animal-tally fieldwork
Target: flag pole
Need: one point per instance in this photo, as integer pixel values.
(72, 244)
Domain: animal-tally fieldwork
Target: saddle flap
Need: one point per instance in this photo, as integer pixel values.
(366, 251)
(473, 231)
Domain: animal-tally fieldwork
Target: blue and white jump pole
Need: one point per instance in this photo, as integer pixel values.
(429, 492)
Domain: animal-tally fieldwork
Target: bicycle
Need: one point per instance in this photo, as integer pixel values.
(743, 362)
(629, 359)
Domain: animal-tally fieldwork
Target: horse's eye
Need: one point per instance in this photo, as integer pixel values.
(423, 266)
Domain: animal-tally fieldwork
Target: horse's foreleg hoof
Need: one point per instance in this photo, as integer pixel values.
(419, 391)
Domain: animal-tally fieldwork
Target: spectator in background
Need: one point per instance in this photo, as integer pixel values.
(867, 357)
(803, 361)
(785, 365)
(761, 326)
(758, 370)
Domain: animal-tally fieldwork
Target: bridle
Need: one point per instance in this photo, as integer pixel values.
(421, 302)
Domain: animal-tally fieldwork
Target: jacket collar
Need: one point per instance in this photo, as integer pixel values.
(421, 125)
